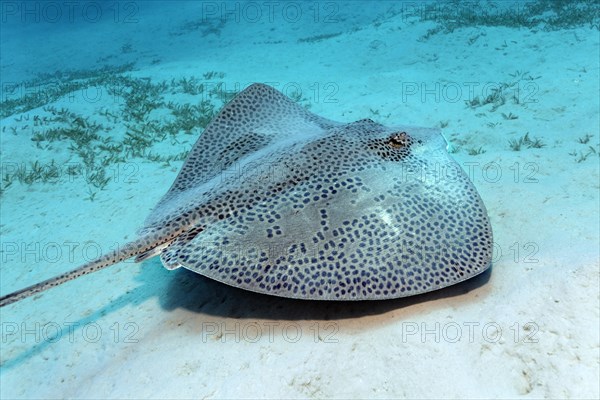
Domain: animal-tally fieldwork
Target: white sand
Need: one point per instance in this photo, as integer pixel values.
(529, 329)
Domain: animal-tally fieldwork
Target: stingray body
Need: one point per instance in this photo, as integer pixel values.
(277, 200)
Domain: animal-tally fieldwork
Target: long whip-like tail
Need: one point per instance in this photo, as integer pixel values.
(131, 249)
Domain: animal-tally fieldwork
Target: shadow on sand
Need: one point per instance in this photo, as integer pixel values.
(204, 296)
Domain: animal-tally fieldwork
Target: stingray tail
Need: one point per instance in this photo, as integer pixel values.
(129, 250)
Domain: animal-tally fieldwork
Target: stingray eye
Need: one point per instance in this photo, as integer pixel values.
(399, 140)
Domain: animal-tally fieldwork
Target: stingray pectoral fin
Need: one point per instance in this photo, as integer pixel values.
(259, 117)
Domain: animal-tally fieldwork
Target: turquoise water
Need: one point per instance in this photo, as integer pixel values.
(102, 101)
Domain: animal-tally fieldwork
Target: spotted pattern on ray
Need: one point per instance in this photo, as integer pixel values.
(277, 200)
(356, 212)
(258, 117)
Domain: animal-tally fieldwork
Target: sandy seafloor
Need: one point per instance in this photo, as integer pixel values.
(529, 328)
